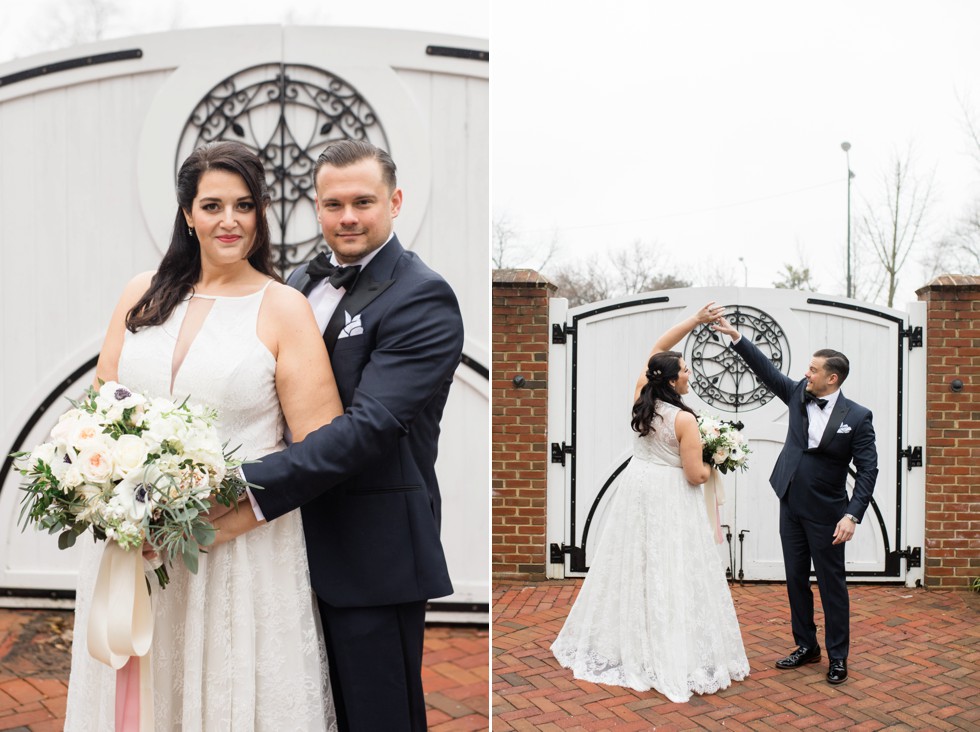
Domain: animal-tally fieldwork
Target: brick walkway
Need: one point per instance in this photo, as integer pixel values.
(914, 665)
(34, 662)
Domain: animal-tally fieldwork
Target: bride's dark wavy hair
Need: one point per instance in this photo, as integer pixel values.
(180, 268)
(662, 368)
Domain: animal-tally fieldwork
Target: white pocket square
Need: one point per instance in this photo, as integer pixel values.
(844, 429)
(352, 326)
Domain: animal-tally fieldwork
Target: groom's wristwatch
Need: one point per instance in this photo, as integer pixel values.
(852, 518)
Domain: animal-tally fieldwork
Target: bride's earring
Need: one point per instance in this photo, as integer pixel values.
(190, 230)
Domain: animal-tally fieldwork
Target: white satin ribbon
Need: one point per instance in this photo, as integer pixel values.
(121, 624)
(714, 499)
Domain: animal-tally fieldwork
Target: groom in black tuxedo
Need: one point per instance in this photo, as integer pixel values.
(366, 482)
(816, 518)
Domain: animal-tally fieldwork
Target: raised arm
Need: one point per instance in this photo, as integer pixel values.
(675, 333)
(779, 383)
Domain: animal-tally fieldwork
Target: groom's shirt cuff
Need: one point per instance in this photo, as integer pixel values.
(255, 505)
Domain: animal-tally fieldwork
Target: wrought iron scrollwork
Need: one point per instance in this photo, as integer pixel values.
(286, 113)
(719, 376)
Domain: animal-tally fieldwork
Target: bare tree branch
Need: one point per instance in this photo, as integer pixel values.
(895, 227)
(508, 252)
(638, 267)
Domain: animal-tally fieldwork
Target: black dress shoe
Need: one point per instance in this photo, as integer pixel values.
(838, 671)
(799, 657)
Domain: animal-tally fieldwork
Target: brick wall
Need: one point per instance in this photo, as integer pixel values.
(952, 531)
(520, 453)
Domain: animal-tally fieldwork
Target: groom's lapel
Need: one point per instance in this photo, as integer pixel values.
(373, 280)
(836, 419)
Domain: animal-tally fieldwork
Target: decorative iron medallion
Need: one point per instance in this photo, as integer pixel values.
(719, 375)
(286, 113)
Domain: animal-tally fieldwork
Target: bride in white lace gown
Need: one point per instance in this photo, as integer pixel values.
(236, 646)
(655, 610)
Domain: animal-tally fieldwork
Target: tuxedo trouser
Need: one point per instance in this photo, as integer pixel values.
(375, 658)
(803, 541)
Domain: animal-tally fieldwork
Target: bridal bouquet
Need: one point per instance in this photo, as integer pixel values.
(133, 470)
(722, 444)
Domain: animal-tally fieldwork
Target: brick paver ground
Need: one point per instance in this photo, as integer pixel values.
(914, 665)
(35, 648)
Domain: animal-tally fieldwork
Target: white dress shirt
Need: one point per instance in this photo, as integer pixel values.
(324, 297)
(819, 418)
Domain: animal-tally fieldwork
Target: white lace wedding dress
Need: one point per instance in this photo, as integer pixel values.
(655, 610)
(236, 646)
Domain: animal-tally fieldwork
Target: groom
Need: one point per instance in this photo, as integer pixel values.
(816, 518)
(366, 481)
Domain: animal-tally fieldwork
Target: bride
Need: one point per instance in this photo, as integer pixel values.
(237, 645)
(655, 610)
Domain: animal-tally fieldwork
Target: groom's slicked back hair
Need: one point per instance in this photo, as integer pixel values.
(342, 153)
(835, 362)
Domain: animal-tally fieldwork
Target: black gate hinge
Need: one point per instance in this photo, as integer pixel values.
(561, 331)
(911, 554)
(558, 452)
(558, 552)
(914, 335)
(913, 455)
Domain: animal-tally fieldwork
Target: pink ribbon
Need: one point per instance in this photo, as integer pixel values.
(120, 633)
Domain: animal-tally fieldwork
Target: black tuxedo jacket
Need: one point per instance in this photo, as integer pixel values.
(819, 476)
(366, 481)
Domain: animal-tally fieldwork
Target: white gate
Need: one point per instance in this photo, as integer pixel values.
(599, 350)
(90, 139)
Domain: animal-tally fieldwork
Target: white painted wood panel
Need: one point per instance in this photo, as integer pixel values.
(608, 351)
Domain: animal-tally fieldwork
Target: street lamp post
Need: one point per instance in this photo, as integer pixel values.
(846, 146)
(746, 268)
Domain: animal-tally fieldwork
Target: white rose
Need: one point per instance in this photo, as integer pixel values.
(95, 463)
(128, 454)
(721, 454)
(61, 433)
(72, 477)
(163, 428)
(86, 432)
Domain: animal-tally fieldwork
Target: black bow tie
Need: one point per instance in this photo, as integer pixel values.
(807, 396)
(338, 276)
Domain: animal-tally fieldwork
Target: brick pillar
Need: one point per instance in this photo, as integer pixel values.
(952, 533)
(521, 337)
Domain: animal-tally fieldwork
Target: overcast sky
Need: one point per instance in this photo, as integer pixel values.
(709, 127)
(27, 27)
(714, 127)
